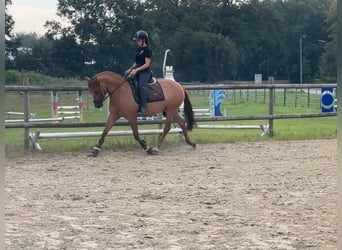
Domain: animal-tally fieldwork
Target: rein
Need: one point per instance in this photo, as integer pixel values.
(109, 94)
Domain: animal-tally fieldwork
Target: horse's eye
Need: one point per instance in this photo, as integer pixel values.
(96, 92)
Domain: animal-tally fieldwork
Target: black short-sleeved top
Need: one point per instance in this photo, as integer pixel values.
(142, 53)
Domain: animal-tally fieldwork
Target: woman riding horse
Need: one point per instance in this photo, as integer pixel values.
(122, 104)
(141, 69)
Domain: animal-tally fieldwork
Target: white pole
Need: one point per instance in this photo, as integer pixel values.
(301, 59)
(164, 63)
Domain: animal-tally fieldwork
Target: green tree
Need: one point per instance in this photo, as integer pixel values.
(257, 37)
(23, 58)
(212, 57)
(210, 40)
(306, 19)
(103, 30)
(66, 58)
(9, 46)
(328, 66)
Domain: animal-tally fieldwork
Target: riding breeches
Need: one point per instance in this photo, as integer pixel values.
(143, 78)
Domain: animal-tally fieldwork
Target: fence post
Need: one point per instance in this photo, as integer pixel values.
(271, 106)
(284, 103)
(80, 104)
(308, 97)
(54, 104)
(26, 115)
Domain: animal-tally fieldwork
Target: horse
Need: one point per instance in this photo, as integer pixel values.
(122, 103)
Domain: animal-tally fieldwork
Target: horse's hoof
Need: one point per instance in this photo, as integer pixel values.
(149, 151)
(155, 151)
(152, 151)
(94, 152)
(193, 145)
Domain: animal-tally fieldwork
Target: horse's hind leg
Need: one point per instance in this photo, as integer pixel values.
(180, 121)
(143, 144)
(167, 126)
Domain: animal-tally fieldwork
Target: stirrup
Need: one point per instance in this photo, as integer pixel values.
(143, 112)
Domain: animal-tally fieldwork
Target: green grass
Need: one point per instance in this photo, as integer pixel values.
(289, 129)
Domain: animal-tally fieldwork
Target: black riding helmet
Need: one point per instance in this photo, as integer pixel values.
(141, 34)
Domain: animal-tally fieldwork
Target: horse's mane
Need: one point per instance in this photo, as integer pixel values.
(107, 77)
(106, 74)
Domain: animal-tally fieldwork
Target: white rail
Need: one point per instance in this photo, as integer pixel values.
(34, 137)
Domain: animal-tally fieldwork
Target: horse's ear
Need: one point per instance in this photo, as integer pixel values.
(89, 82)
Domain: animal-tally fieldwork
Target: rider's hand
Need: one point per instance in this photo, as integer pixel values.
(133, 72)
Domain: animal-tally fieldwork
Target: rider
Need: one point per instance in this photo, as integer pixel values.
(142, 66)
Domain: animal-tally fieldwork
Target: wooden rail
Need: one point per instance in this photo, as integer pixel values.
(15, 88)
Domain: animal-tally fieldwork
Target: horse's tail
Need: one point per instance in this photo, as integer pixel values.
(188, 112)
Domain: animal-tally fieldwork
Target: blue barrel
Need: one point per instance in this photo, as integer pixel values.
(219, 96)
(327, 100)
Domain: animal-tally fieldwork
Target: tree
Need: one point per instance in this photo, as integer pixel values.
(304, 19)
(66, 59)
(102, 29)
(257, 37)
(24, 58)
(210, 40)
(9, 23)
(327, 65)
(211, 58)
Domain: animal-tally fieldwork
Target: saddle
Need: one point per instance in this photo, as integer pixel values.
(154, 90)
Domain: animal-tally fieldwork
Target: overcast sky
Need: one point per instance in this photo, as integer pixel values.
(31, 15)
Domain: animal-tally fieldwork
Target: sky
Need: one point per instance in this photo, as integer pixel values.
(31, 15)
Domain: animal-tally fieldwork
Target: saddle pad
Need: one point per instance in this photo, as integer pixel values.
(155, 92)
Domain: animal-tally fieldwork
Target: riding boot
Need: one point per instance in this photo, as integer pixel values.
(143, 82)
(143, 101)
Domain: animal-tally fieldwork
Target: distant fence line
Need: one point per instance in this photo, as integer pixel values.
(15, 88)
(204, 88)
(26, 125)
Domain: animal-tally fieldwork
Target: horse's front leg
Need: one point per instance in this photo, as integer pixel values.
(143, 144)
(110, 123)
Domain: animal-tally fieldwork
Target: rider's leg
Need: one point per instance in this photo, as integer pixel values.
(143, 81)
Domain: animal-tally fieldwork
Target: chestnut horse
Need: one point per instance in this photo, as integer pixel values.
(122, 104)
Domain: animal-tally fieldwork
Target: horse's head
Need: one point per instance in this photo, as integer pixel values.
(97, 91)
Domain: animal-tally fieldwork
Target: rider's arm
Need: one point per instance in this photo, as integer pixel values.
(134, 65)
(130, 69)
(145, 65)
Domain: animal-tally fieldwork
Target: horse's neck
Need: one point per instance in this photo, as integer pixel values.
(113, 82)
(123, 87)
(121, 91)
